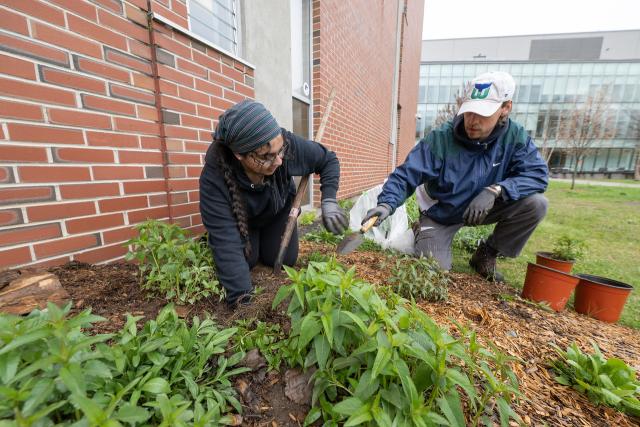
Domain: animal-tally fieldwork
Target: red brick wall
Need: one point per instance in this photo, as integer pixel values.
(86, 148)
(354, 48)
(409, 76)
(353, 51)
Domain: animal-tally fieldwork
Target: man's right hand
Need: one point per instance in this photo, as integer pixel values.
(382, 211)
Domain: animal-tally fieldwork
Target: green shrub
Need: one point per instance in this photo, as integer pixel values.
(605, 381)
(316, 256)
(324, 236)
(413, 212)
(51, 372)
(307, 218)
(467, 239)
(388, 363)
(418, 278)
(172, 264)
(268, 338)
(346, 204)
(566, 248)
(369, 245)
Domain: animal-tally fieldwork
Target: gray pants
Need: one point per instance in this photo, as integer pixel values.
(515, 220)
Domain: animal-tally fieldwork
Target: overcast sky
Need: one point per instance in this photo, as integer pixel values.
(445, 19)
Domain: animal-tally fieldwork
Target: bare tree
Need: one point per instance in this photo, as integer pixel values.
(449, 111)
(547, 133)
(584, 125)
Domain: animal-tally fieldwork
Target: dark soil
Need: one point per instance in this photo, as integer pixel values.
(495, 311)
(113, 290)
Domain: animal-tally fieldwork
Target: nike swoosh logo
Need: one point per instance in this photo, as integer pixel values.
(496, 164)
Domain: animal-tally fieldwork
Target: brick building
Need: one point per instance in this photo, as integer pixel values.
(107, 106)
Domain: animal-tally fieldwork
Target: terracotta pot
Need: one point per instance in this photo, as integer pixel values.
(544, 284)
(546, 259)
(600, 297)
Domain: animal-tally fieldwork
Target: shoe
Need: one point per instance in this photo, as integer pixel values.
(242, 300)
(483, 262)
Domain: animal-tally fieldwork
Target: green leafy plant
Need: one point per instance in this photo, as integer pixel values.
(307, 218)
(418, 278)
(324, 236)
(566, 248)
(413, 211)
(369, 245)
(468, 238)
(346, 204)
(268, 338)
(172, 264)
(605, 381)
(168, 373)
(381, 361)
(315, 256)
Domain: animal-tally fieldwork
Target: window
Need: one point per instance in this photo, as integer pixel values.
(300, 49)
(216, 21)
(540, 126)
(300, 76)
(422, 89)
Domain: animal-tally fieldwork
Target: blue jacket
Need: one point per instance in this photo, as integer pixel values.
(454, 169)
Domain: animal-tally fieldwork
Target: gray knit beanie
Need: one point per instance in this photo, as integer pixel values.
(246, 126)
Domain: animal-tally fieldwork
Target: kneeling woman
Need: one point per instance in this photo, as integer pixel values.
(247, 188)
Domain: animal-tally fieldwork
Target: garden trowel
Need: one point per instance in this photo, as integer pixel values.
(352, 241)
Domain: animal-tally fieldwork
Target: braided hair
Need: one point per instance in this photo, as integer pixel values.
(226, 161)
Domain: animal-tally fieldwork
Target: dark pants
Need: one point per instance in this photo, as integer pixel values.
(515, 221)
(265, 242)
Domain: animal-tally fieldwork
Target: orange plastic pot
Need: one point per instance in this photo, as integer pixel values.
(601, 298)
(546, 259)
(544, 284)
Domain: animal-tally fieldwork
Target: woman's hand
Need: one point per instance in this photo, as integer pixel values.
(333, 217)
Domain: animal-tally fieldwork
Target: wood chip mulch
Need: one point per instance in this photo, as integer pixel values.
(526, 331)
(519, 328)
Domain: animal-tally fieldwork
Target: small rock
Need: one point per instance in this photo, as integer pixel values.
(297, 387)
(260, 375)
(513, 334)
(254, 360)
(182, 311)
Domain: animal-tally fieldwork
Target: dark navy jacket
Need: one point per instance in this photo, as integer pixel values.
(455, 169)
(263, 203)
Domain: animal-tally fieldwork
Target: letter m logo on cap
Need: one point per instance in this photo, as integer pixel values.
(480, 90)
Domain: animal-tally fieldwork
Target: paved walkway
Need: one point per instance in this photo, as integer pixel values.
(631, 184)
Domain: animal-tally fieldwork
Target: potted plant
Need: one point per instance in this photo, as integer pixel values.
(544, 284)
(566, 250)
(600, 297)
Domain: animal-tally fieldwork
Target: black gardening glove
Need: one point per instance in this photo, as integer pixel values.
(382, 211)
(479, 207)
(333, 217)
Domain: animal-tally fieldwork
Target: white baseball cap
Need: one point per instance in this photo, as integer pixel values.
(486, 93)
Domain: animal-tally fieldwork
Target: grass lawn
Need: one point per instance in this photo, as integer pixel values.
(607, 219)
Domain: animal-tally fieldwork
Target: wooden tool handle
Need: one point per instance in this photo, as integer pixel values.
(369, 224)
(302, 188)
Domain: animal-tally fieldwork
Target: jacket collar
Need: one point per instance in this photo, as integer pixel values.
(460, 135)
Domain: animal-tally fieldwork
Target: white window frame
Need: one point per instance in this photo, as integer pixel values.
(236, 51)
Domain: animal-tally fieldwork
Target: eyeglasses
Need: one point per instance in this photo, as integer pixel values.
(266, 160)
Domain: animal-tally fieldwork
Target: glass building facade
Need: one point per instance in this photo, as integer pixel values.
(543, 91)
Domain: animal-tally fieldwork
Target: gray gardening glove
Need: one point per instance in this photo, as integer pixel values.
(382, 211)
(333, 217)
(479, 207)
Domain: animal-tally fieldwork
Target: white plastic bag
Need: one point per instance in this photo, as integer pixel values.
(393, 233)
